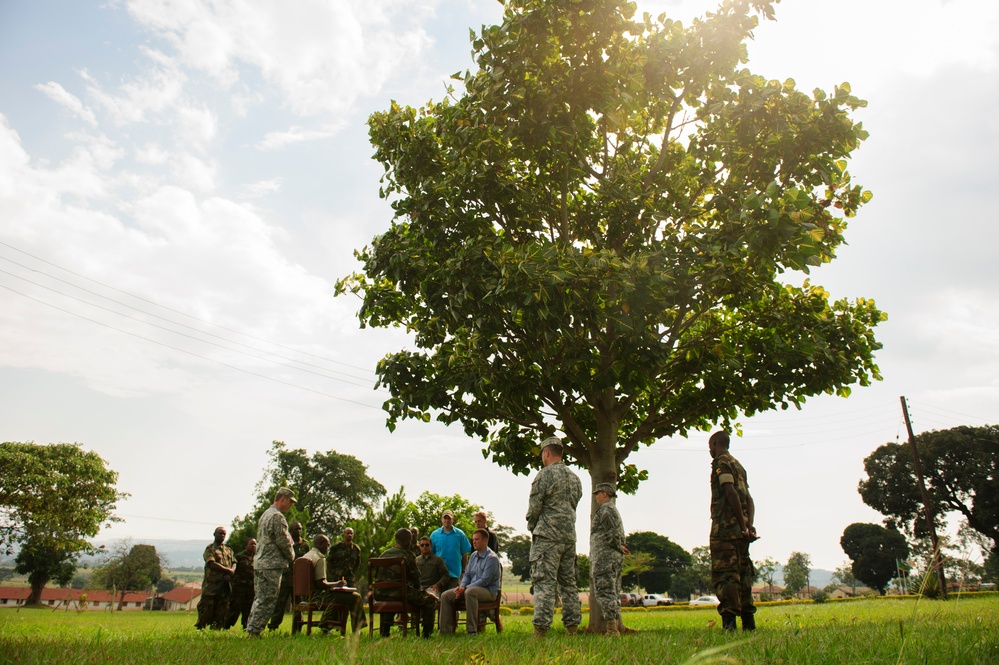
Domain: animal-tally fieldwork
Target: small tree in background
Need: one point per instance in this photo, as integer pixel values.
(796, 572)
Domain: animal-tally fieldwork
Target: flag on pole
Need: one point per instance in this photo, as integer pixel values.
(903, 565)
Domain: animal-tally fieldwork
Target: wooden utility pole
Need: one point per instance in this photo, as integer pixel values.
(927, 503)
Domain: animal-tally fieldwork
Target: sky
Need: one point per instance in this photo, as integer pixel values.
(182, 182)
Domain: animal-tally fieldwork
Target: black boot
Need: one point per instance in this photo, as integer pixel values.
(728, 622)
(748, 621)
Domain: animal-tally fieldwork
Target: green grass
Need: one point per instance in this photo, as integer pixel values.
(870, 631)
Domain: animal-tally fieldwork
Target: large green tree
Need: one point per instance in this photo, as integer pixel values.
(518, 551)
(668, 558)
(129, 568)
(52, 499)
(693, 579)
(331, 488)
(796, 572)
(594, 237)
(874, 551)
(960, 467)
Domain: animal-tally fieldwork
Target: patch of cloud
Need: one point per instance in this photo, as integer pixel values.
(257, 190)
(60, 95)
(322, 56)
(295, 134)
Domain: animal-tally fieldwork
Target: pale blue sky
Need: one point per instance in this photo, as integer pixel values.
(213, 158)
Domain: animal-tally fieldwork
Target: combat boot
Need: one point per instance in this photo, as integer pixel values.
(571, 630)
(540, 632)
(748, 621)
(612, 630)
(728, 622)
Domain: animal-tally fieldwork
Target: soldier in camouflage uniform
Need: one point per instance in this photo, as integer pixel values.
(732, 513)
(416, 596)
(300, 546)
(551, 519)
(344, 559)
(274, 554)
(220, 566)
(607, 550)
(242, 587)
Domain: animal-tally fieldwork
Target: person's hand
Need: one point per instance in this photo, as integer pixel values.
(624, 549)
(340, 583)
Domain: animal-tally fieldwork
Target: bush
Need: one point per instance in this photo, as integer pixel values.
(526, 610)
(505, 611)
(820, 597)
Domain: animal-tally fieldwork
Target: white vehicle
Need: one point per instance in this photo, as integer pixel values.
(705, 600)
(655, 600)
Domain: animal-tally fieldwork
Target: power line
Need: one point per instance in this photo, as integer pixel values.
(177, 311)
(157, 316)
(197, 339)
(190, 353)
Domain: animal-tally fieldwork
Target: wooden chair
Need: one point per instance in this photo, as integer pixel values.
(485, 609)
(306, 602)
(395, 606)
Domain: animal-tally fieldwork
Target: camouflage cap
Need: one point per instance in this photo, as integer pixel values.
(284, 492)
(552, 441)
(605, 487)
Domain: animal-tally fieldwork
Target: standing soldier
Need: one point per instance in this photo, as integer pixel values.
(732, 514)
(274, 553)
(217, 586)
(242, 587)
(551, 519)
(344, 559)
(607, 550)
(300, 546)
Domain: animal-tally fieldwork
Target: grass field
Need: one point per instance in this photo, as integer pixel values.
(879, 631)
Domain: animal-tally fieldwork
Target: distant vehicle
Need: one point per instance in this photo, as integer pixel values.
(705, 600)
(633, 598)
(626, 600)
(656, 600)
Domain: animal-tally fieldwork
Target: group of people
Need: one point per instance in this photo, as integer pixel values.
(446, 569)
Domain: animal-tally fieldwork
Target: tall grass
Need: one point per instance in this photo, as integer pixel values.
(875, 631)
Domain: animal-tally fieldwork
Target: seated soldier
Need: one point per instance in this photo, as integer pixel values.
(434, 577)
(331, 592)
(424, 602)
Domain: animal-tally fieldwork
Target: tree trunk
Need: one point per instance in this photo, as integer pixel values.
(603, 469)
(35, 597)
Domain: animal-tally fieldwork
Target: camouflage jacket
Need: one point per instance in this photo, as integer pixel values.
(274, 549)
(606, 531)
(555, 493)
(724, 523)
(243, 579)
(222, 555)
(393, 574)
(343, 562)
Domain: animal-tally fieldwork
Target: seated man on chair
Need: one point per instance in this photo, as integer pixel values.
(416, 596)
(479, 583)
(331, 592)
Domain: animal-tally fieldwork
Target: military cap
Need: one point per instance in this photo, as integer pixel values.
(605, 487)
(287, 493)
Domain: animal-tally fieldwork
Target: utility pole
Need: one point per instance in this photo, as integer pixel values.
(927, 503)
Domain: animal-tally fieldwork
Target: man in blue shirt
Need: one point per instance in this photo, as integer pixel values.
(480, 583)
(451, 544)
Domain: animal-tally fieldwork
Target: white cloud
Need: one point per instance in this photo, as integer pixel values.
(256, 190)
(58, 94)
(292, 135)
(322, 56)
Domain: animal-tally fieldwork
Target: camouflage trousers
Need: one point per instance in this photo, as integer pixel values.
(605, 572)
(553, 567)
(266, 587)
(732, 576)
(212, 611)
(285, 594)
(239, 607)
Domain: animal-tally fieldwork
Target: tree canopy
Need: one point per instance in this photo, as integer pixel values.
(695, 578)
(52, 498)
(332, 489)
(129, 568)
(875, 551)
(960, 467)
(593, 236)
(667, 559)
(796, 572)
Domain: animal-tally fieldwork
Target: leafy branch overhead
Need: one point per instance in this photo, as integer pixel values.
(594, 235)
